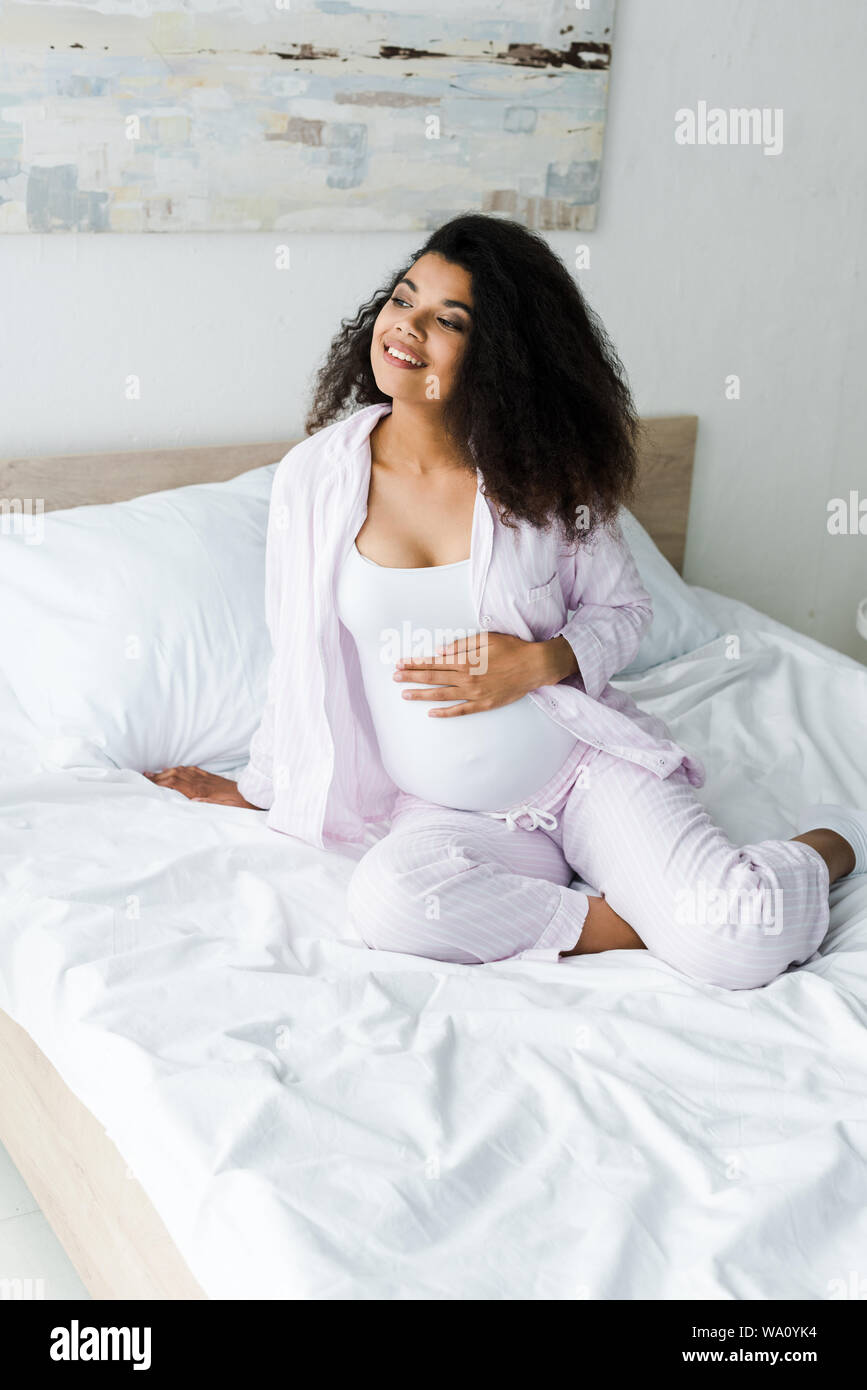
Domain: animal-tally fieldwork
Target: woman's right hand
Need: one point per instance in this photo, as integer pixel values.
(201, 786)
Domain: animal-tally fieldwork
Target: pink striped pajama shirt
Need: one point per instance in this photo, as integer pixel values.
(622, 813)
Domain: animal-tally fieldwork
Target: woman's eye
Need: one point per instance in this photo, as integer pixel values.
(446, 323)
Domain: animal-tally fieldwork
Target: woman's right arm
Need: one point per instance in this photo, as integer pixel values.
(199, 785)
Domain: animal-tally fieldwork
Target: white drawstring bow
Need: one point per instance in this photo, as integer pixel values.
(537, 817)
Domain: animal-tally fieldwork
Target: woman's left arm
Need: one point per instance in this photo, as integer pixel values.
(613, 609)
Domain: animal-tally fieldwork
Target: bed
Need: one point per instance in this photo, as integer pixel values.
(231, 1097)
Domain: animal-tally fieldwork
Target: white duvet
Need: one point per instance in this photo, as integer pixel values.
(314, 1120)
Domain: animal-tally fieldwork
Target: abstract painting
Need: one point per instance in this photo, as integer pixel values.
(297, 115)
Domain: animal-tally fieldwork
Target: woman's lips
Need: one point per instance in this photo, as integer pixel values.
(396, 362)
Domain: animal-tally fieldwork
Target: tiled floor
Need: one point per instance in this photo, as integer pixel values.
(33, 1263)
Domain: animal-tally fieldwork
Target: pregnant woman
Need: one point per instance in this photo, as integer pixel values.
(424, 557)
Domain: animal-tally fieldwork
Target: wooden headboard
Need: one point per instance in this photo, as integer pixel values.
(75, 480)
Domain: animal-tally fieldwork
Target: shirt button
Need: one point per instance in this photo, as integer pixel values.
(486, 620)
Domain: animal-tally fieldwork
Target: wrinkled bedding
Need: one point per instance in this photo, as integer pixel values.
(315, 1120)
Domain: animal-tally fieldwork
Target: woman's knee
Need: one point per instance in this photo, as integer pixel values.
(734, 931)
(395, 894)
(371, 893)
(741, 940)
(733, 969)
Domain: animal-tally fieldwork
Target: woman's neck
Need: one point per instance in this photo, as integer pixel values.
(411, 439)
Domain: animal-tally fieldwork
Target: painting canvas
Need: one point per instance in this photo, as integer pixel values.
(300, 114)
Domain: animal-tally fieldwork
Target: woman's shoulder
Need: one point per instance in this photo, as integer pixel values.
(325, 452)
(305, 461)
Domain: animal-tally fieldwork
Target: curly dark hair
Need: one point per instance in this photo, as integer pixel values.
(541, 406)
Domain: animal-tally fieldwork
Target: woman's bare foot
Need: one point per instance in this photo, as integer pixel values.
(604, 930)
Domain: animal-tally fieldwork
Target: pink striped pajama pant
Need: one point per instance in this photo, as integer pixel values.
(462, 886)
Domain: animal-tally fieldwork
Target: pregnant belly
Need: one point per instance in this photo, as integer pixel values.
(488, 761)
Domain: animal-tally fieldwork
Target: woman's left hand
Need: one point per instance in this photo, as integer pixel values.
(486, 670)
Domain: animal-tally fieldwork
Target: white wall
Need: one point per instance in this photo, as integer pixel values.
(706, 261)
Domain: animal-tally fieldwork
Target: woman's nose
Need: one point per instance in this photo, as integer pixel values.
(412, 325)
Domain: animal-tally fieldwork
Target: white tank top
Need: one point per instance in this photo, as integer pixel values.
(488, 761)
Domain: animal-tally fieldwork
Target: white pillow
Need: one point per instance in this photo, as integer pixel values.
(136, 631)
(680, 621)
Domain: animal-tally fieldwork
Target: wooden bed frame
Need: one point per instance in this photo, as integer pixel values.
(99, 1212)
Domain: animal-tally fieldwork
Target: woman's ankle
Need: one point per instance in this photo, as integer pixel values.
(604, 930)
(837, 853)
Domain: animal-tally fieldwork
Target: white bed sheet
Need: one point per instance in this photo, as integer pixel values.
(315, 1120)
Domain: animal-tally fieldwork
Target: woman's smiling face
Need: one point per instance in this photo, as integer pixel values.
(421, 332)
